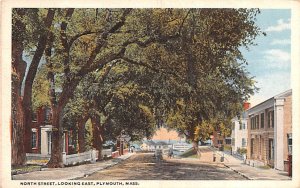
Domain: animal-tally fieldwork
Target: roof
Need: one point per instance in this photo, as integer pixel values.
(284, 94)
(150, 142)
(161, 143)
(269, 102)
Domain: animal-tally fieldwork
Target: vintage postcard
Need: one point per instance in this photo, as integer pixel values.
(152, 93)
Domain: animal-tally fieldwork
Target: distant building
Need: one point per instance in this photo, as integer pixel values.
(218, 139)
(165, 138)
(150, 145)
(239, 132)
(270, 131)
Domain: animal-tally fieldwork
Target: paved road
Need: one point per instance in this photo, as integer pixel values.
(144, 166)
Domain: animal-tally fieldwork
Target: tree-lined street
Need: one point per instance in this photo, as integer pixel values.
(144, 166)
(119, 94)
(176, 67)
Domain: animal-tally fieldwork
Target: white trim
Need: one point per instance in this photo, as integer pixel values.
(261, 107)
(284, 94)
(279, 134)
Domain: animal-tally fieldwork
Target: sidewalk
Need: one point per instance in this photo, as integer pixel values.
(70, 173)
(252, 173)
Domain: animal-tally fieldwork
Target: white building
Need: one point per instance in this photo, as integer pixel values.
(239, 134)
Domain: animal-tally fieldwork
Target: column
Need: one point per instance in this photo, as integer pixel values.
(278, 134)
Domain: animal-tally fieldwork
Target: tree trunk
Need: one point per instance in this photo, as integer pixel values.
(18, 155)
(97, 135)
(195, 145)
(27, 122)
(56, 160)
(27, 103)
(196, 148)
(81, 132)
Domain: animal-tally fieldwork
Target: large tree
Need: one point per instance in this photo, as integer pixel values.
(29, 33)
(114, 32)
(217, 82)
(191, 53)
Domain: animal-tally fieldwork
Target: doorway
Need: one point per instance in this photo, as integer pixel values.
(49, 138)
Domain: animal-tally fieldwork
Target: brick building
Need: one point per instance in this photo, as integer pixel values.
(41, 139)
(218, 139)
(270, 131)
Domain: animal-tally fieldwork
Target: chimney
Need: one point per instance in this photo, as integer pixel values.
(246, 105)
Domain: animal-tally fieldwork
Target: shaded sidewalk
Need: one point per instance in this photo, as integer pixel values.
(251, 173)
(70, 173)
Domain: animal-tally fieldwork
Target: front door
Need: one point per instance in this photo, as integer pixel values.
(252, 147)
(49, 138)
(271, 152)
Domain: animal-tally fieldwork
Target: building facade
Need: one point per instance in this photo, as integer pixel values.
(41, 137)
(239, 132)
(270, 131)
(218, 139)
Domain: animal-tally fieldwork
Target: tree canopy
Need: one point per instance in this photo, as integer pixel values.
(132, 68)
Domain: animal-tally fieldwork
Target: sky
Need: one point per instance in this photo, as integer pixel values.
(270, 60)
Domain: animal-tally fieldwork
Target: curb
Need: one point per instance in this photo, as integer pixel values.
(240, 173)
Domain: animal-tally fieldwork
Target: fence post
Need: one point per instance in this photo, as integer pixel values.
(64, 156)
(94, 155)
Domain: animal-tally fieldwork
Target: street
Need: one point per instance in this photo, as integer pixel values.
(143, 166)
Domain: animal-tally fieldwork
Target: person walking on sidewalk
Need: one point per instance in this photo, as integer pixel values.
(170, 153)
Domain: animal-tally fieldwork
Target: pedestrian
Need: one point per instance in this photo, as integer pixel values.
(170, 153)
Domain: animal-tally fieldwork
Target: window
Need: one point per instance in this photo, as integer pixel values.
(252, 146)
(262, 120)
(48, 115)
(34, 139)
(256, 121)
(244, 125)
(271, 119)
(241, 126)
(228, 141)
(49, 139)
(271, 149)
(290, 141)
(233, 141)
(232, 126)
(70, 137)
(220, 141)
(34, 116)
(252, 122)
(272, 115)
(243, 142)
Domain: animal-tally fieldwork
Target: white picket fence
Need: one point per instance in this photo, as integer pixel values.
(37, 156)
(91, 155)
(106, 152)
(182, 146)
